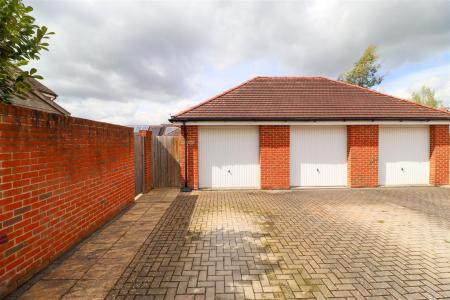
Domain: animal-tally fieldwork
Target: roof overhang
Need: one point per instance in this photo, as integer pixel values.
(313, 122)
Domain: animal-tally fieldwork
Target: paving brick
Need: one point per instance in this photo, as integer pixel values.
(303, 244)
(94, 266)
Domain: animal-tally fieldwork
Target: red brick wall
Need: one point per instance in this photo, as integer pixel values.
(362, 151)
(439, 155)
(192, 145)
(362, 154)
(274, 142)
(60, 179)
(148, 179)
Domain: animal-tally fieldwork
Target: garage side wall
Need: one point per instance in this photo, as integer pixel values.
(192, 156)
(439, 155)
(60, 179)
(274, 156)
(362, 155)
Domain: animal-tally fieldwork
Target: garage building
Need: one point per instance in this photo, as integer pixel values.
(287, 132)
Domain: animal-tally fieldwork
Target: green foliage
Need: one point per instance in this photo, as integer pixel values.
(426, 96)
(20, 42)
(365, 71)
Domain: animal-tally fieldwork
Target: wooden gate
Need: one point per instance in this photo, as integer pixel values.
(166, 161)
(138, 163)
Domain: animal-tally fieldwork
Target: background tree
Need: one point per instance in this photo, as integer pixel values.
(365, 71)
(20, 42)
(425, 95)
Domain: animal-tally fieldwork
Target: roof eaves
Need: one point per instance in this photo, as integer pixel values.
(307, 119)
(52, 103)
(42, 88)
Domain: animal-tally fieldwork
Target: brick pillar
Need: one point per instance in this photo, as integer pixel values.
(148, 179)
(439, 155)
(274, 142)
(192, 156)
(362, 155)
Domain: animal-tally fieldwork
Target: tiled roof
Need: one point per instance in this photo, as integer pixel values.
(40, 87)
(306, 98)
(39, 97)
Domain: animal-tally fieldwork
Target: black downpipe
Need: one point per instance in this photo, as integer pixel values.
(185, 189)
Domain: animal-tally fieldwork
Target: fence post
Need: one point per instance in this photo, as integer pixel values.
(147, 160)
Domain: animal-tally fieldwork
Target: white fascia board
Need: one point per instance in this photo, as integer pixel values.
(311, 123)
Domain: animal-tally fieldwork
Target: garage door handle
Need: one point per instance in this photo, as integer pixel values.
(229, 171)
(403, 170)
(318, 171)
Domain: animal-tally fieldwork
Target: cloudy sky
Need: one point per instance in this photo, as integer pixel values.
(138, 61)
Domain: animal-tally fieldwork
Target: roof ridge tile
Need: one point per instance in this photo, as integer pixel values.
(291, 77)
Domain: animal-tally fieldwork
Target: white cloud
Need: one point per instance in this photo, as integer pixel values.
(435, 77)
(137, 61)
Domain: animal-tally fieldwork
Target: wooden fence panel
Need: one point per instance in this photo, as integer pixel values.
(166, 161)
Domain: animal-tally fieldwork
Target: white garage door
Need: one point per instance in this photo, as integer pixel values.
(404, 155)
(228, 157)
(318, 156)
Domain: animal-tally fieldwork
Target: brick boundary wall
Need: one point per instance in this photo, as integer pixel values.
(362, 155)
(148, 179)
(60, 179)
(274, 143)
(192, 156)
(439, 155)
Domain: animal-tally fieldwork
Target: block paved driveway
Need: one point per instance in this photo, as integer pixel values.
(324, 244)
(385, 243)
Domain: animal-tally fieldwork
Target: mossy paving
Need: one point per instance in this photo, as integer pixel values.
(298, 244)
